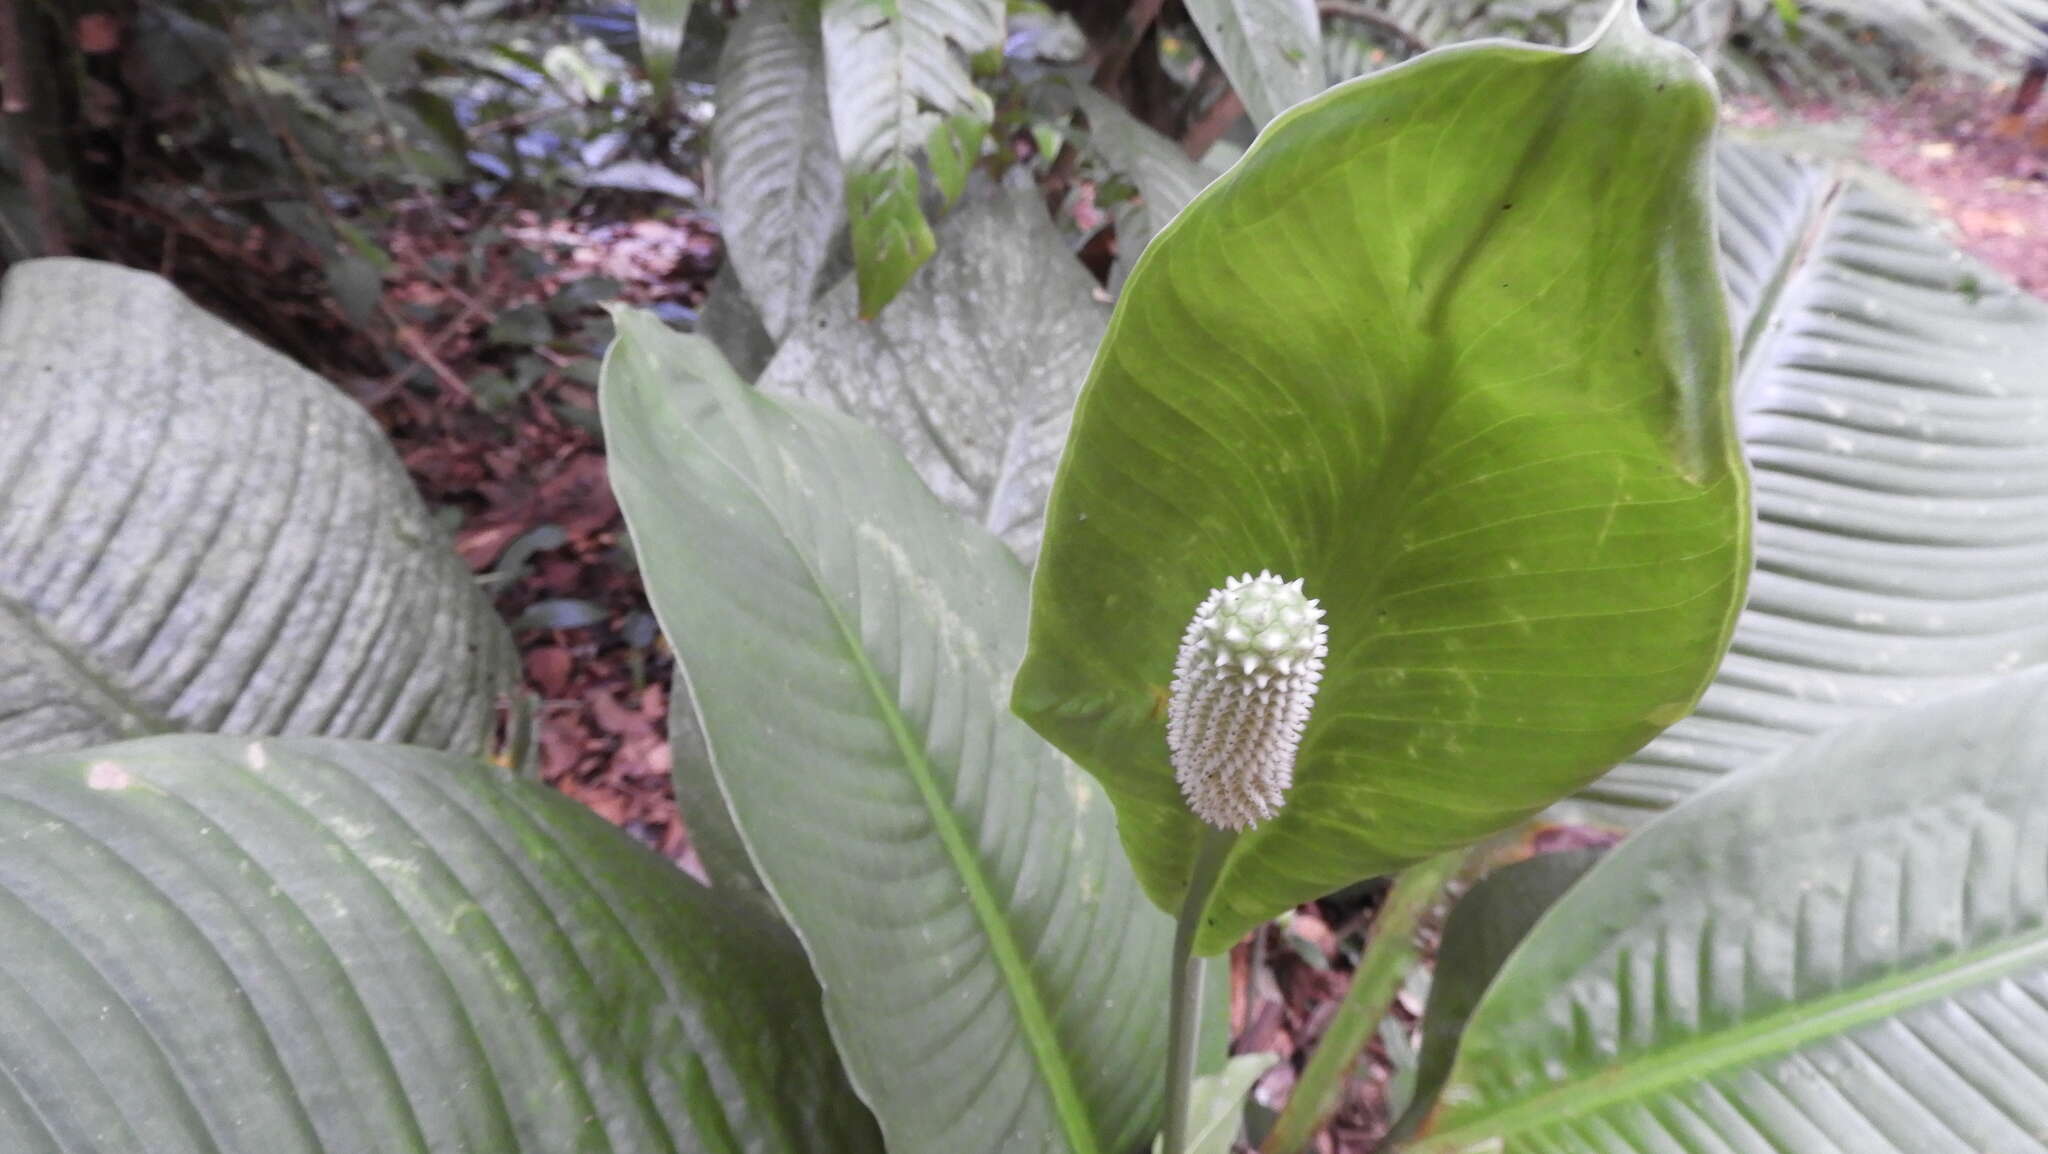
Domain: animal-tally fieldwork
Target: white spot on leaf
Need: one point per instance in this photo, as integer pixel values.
(105, 775)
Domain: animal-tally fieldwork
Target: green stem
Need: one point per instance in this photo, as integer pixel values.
(1184, 1024)
(1387, 959)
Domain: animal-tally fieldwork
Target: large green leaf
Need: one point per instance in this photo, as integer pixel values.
(1272, 50)
(1464, 372)
(776, 175)
(230, 946)
(1843, 951)
(974, 374)
(900, 87)
(1893, 408)
(196, 533)
(993, 975)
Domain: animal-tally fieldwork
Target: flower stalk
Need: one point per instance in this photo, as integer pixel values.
(1184, 1021)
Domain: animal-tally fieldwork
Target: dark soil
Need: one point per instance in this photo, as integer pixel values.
(1980, 171)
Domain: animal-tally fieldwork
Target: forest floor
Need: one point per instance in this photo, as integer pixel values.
(525, 474)
(1952, 147)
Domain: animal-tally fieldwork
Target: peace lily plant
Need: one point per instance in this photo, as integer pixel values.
(1402, 502)
(1492, 437)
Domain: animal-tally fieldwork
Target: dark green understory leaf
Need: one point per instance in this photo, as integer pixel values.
(994, 975)
(1467, 377)
(269, 946)
(1484, 928)
(1841, 951)
(899, 87)
(196, 533)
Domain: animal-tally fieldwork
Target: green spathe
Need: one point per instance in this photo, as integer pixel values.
(1448, 344)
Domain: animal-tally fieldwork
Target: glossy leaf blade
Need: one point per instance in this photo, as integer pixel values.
(1844, 950)
(974, 377)
(993, 973)
(1462, 372)
(196, 533)
(1893, 410)
(274, 946)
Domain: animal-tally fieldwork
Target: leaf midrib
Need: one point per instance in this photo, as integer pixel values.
(1764, 327)
(1780, 1032)
(1033, 1020)
(119, 708)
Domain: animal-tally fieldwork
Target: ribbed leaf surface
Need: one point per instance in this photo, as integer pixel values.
(230, 946)
(776, 174)
(974, 376)
(992, 972)
(196, 533)
(1844, 951)
(1893, 407)
(1272, 50)
(898, 78)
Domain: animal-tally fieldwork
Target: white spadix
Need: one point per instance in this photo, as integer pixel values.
(1242, 687)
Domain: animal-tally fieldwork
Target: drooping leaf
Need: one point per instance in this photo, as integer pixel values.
(661, 24)
(1483, 930)
(1891, 402)
(993, 971)
(196, 533)
(729, 320)
(777, 176)
(897, 75)
(1840, 951)
(1271, 50)
(975, 376)
(296, 946)
(1463, 374)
